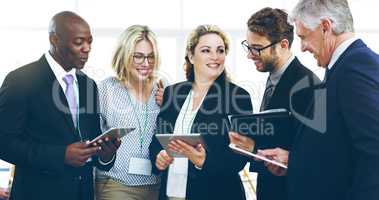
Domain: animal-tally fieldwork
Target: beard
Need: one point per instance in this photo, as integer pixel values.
(270, 63)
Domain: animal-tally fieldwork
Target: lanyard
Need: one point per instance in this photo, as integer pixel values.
(141, 132)
(185, 113)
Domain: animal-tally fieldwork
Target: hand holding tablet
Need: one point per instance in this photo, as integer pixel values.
(191, 139)
(256, 156)
(112, 134)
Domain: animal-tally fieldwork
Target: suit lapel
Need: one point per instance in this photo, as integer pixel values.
(179, 94)
(356, 44)
(212, 101)
(84, 88)
(282, 86)
(56, 94)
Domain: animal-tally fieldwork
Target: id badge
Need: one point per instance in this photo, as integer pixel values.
(140, 166)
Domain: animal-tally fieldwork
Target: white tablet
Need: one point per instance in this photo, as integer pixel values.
(249, 154)
(113, 133)
(192, 139)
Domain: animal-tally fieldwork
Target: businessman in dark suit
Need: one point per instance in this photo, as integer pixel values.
(48, 110)
(338, 156)
(269, 39)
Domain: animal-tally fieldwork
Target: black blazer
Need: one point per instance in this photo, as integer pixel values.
(36, 127)
(342, 162)
(270, 187)
(219, 177)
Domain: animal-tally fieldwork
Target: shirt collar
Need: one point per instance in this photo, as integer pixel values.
(58, 70)
(339, 50)
(276, 75)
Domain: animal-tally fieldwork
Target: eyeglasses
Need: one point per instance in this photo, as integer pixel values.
(139, 58)
(255, 51)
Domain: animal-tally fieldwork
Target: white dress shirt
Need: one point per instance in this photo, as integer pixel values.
(59, 73)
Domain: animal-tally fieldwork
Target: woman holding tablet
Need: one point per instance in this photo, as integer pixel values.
(128, 100)
(201, 105)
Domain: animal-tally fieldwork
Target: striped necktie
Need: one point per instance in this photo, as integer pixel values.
(267, 95)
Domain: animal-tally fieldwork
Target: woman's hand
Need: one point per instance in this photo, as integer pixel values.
(159, 94)
(163, 160)
(196, 154)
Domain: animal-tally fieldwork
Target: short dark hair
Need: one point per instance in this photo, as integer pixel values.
(271, 23)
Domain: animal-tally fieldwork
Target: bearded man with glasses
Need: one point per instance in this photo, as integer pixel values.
(269, 39)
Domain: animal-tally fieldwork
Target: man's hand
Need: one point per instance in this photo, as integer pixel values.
(195, 154)
(159, 94)
(108, 148)
(241, 141)
(4, 194)
(78, 153)
(163, 160)
(279, 155)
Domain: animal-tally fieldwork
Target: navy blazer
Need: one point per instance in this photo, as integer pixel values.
(270, 187)
(36, 127)
(219, 178)
(342, 162)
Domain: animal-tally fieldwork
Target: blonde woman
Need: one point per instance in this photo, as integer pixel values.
(128, 100)
(201, 105)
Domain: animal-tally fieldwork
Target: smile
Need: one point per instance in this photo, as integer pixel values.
(84, 59)
(213, 65)
(145, 71)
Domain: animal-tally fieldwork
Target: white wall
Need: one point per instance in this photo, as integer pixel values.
(24, 38)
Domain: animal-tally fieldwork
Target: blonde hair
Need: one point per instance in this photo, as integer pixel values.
(123, 56)
(193, 40)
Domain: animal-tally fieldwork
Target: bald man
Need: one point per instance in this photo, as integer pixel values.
(48, 110)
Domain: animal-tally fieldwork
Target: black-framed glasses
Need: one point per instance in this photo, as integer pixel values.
(253, 50)
(139, 58)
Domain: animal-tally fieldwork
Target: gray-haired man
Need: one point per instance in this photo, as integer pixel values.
(341, 161)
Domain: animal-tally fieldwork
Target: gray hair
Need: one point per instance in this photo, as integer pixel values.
(311, 12)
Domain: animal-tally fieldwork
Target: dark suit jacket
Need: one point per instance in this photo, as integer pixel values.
(342, 163)
(219, 177)
(270, 187)
(36, 127)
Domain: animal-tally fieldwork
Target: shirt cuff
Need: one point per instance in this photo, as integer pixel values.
(198, 168)
(107, 163)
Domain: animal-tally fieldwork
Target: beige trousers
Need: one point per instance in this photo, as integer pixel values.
(108, 189)
(175, 198)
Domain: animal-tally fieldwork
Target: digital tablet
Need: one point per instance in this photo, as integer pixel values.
(113, 133)
(192, 139)
(269, 129)
(252, 155)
